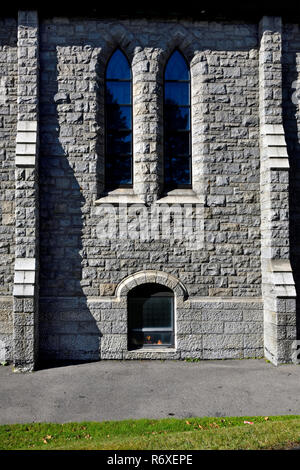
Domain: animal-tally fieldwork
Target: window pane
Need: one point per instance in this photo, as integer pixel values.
(118, 170)
(118, 67)
(118, 117)
(119, 143)
(140, 339)
(177, 118)
(177, 93)
(118, 92)
(177, 171)
(154, 312)
(177, 144)
(177, 68)
(118, 121)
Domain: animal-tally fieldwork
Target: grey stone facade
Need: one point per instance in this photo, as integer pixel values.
(64, 284)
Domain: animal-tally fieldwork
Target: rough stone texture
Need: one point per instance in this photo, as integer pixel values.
(277, 280)
(225, 291)
(97, 329)
(25, 318)
(8, 118)
(224, 74)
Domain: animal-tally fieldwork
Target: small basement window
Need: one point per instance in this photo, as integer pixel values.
(150, 317)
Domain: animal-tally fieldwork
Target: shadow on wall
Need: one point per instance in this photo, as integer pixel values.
(291, 128)
(68, 330)
(8, 124)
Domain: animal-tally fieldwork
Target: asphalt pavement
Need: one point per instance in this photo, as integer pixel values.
(117, 390)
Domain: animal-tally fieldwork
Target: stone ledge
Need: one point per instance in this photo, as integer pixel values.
(274, 143)
(152, 354)
(120, 196)
(278, 163)
(226, 299)
(181, 196)
(280, 265)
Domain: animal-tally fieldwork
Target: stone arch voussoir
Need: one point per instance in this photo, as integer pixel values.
(156, 277)
(178, 38)
(119, 36)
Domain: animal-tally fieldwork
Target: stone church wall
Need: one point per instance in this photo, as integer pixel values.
(77, 267)
(8, 120)
(71, 251)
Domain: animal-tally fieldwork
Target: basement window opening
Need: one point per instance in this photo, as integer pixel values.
(150, 317)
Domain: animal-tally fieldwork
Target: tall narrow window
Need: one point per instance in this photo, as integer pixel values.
(177, 123)
(118, 122)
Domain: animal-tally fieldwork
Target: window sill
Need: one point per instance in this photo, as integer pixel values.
(153, 349)
(119, 196)
(181, 196)
(148, 353)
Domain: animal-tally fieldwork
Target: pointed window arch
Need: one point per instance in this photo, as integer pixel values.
(118, 122)
(177, 123)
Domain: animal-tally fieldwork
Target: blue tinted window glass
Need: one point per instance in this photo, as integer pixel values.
(180, 172)
(119, 143)
(118, 117)
(118, 92)
(177, 93)
(118, 170)
(177, 122)
(178, 144)
(177, 68)
(177, 118)
(118, 67)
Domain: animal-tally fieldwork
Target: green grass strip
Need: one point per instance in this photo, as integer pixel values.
(228, 433)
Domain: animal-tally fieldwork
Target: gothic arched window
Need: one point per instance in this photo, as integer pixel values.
(118, 122)
(177, 123)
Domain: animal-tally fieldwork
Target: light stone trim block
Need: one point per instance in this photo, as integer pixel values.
(27, 126)
(26, 144)
(120, 196)
(26, 137)
(280, 265)
(278, 287)
(25, 264)
(182, 196)
(24, 277)
(23, 290)
(274, 146)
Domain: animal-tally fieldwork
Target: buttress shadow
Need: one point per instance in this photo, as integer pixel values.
(68, 330)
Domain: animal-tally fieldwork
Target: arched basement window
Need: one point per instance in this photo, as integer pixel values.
(150, 316)
(177, 123)
(118, 122)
